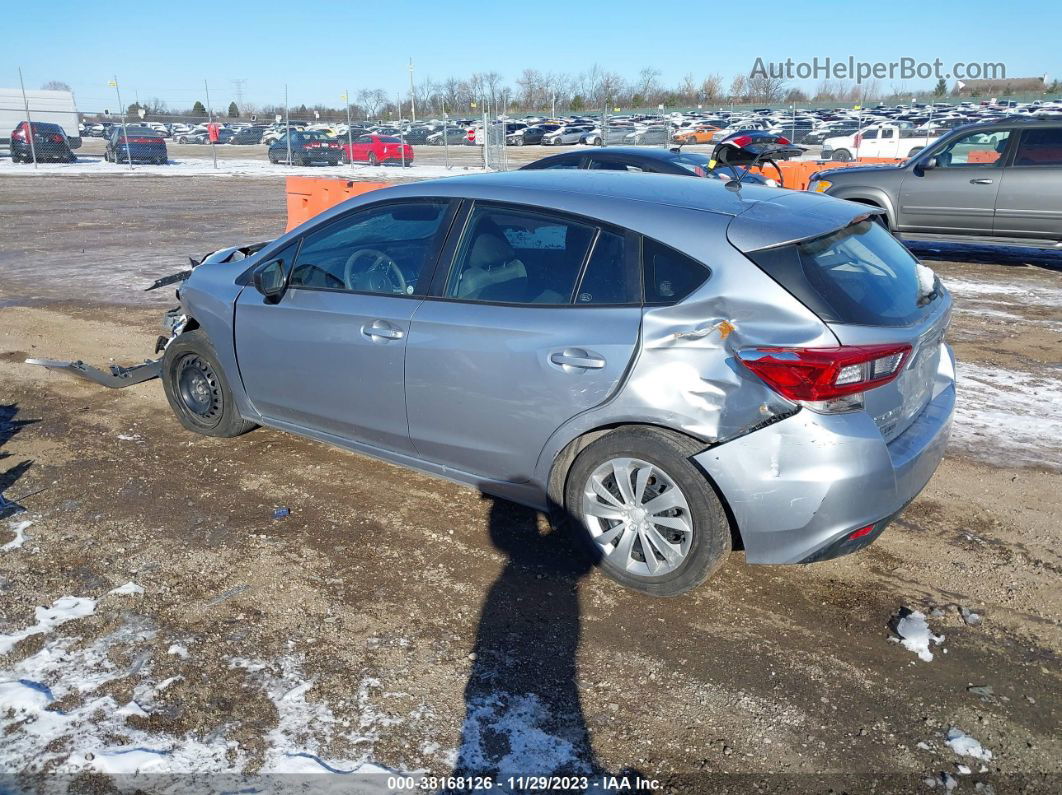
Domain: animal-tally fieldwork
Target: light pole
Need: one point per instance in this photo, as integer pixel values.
(412, 94)
(210, 120)
(29, 121)
(350, 139)
(125, 134)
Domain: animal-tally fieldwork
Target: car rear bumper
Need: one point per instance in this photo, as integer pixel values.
(799, 488)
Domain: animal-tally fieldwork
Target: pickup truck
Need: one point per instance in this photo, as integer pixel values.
(877, 140)
(993, 182)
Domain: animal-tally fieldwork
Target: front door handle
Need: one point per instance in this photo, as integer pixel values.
(382, 330)
(980, 182)
(576, 358)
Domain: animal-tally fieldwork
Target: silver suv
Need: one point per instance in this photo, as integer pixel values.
(666, 365)
(1000, 181)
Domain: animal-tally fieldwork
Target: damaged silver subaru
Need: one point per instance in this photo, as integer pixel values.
(670, 366)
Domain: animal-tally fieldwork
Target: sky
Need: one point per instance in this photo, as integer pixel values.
(319, 49)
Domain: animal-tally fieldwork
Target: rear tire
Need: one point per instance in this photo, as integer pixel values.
(373, 161)
(664, 459)
(197, 389)
(915, 151)
(842, 156)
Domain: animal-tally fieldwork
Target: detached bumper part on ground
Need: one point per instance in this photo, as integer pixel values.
(836, 472)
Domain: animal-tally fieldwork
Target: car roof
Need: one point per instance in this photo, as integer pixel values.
(658, 205)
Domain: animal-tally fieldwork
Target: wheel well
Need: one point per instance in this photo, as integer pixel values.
(562, 464)
(191, 324)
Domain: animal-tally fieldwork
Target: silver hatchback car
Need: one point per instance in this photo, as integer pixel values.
(666, 365)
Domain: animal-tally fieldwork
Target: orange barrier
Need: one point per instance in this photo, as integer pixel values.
(796, 174)
(310, 196)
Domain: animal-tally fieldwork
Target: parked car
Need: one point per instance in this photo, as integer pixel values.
(877, 140)
(654, 134)
(696, 135)
(613, 134)
(307, 146)
(203, 136)
(377, 149)
(416, 135)
(135, 144)
(573, 352)
(635, 159)
(529, 136)
(568, 134)
(49, 143)
(247, 136)
(996, 181)
(453, 135)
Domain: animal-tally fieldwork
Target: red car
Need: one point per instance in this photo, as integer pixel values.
(376, 149)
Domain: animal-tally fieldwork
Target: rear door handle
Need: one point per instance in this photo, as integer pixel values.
(577, 358)
(980, 182)
(382, 330)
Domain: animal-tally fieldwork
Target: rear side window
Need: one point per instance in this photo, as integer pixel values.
(1040, 148)
(860, 274)
(519, 257)
(669, 276)
(607, 279)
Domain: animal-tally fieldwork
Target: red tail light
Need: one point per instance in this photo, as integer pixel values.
(143, 140)
(742, 141)
(57, 138)
(783, 140)
(815, 374)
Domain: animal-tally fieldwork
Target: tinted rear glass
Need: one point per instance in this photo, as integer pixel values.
(860, 274)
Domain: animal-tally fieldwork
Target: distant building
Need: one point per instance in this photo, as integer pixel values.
(1001, 87)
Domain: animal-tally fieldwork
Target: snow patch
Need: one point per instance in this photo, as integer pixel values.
(965, 745)
(19, 529)
(230, 167)
(129, 589)
(1006, 416)
(1024, 294)
(63, 609)
(179, 650)
(927, 280)
(914, 633)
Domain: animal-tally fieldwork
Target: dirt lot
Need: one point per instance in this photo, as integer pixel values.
(399, 621)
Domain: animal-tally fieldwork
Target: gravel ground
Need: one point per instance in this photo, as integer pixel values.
(395, 622)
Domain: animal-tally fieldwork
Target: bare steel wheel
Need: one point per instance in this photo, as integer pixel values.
(638, 516)
(196, 387)
(199, 389)
(645, 511)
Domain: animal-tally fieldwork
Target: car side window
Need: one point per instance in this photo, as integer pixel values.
(365, 139)
(870, 135)
(382, 249)
(573, 163)
(605, 165)
(974, 150)
(1040, 148)
(669, 275)
(607, 279)
(518, 257)
(887, 132)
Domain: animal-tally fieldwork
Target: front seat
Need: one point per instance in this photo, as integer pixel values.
(493, 273)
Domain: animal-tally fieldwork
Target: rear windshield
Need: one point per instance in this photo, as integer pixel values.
(860, 274)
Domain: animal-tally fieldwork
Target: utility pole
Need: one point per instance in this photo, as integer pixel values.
(412, 94)
(237, 87)
(287, 123)
(210, 120)
(125, 134)
(350, 137)
(29, 121)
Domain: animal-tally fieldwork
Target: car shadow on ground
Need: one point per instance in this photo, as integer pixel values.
(9, 426)
(523, 709)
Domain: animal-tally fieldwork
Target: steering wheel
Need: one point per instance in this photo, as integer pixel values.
(383, 274)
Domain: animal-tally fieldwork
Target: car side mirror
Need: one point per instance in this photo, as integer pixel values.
(270, 280)
(930, 164)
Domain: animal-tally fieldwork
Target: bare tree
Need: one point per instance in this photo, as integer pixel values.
(56, 85)
(766, 89)
(688, 89)
(647, 85)
(373, 100)
(712, 88)
(739, 88)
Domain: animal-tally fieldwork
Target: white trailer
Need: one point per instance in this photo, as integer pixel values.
(54, 107)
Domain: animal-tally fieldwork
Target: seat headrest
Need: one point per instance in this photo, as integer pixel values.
(489, 250)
